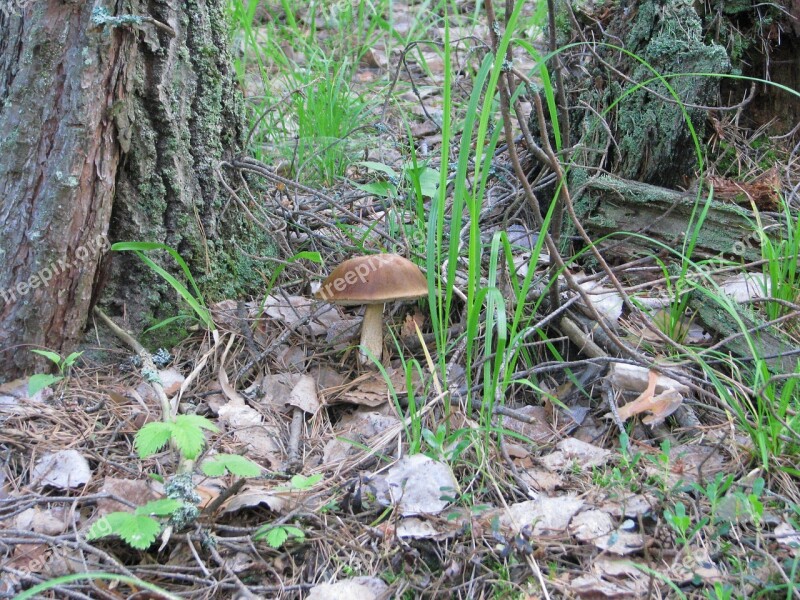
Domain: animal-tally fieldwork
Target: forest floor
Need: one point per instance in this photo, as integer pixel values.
(542, 425)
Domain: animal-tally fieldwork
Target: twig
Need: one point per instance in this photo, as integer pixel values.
(295, 430)
(232, 490)
(149, 370)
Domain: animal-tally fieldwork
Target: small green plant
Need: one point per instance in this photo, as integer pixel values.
(301, 482)
(140, 528)
(444, 446)
(38, 382)
(277, 535)
(720, 591)
(413, 176)
(623, 475)
(326, 113)
(193, 299)
(781, 273)
(681, 523)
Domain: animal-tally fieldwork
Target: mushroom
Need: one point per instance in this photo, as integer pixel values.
(373, 280)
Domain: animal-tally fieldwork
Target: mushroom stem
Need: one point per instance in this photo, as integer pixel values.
(372, 333)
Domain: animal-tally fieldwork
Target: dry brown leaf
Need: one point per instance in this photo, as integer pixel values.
(137, 491)
(304, 395)
(250, 497)
(547, 514)
(540, 430)
(357, 588)
(418, 485)
(369, 389)
(633, 378)
(290, 309)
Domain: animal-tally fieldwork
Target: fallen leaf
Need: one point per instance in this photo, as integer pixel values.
(304, 395)
(369, 389)
(539, 431)
(137, 491)
(250, 497)
(417, 485)
(291, 309)
(597, 527)
(64, 469)
(606, 301)
(248, 428)
(419, 528)
(572, 452)
(745, 286)
(357, 588)
(354, 430)
(633, 378)
(547, 515)
(41, 521)
(788, 537)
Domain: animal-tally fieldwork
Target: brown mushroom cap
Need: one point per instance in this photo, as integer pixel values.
(374, 279)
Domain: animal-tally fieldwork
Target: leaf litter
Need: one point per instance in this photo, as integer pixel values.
(560, 489)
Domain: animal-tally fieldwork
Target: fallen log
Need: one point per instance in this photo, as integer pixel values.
(659, 217)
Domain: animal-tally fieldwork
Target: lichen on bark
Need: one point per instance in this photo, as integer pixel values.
(185, 115)
(651, 129)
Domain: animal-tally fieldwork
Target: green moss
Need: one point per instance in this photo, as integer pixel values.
(670, 39)
(168, 336)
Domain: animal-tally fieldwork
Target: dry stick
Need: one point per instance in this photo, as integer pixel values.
(245, 592)
(561, 96)
(290, 329)
(232, 490)
(566, 197)
(555, 255)
(147, 361)
(295, 430)
(250, 164)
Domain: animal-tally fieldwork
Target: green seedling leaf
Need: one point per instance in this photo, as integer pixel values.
(194, 300)
(233, 463)
(276, 536)
(138, 531)
(159, 508)
(428, 179)
(380, 167)
(187, 432)
(165, 322)
(385, 189)
(56, 358)
(152, 438)
(301, 482)
(40, 381)
(70, 360)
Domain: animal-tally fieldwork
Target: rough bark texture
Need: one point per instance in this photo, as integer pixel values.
(646, 135)
(58, 164)
(182, 115)
(113, 125)
(763, 40)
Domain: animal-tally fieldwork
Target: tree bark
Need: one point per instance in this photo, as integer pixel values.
(114, 119)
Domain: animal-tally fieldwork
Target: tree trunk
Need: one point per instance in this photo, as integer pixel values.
(114, 120)
(644, 134)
